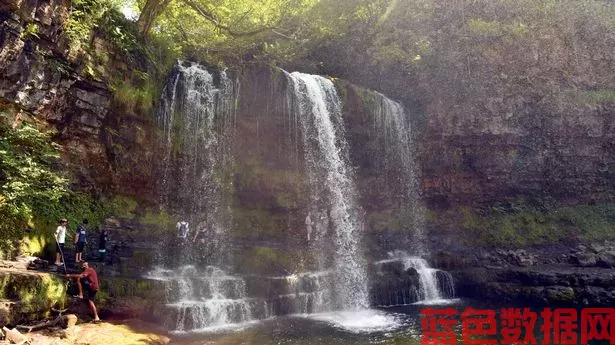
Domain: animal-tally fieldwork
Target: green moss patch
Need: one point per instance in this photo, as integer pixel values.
(268, 260)
(35, 294)
(523, 223)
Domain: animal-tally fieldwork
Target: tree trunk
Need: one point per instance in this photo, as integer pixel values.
(149, 13)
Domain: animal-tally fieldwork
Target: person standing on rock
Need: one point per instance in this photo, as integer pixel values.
(200, 229)
(60, 236)
(88, 282)
(102, 244)
(80, 240)
(362, 214)
(308, 225)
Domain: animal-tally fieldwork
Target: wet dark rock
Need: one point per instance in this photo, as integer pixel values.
(584, 259)
(606, 259)
(554, 284)
(38, 264)
(392, 284)
(447, 260)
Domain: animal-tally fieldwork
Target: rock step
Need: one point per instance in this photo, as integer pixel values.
(550, 285)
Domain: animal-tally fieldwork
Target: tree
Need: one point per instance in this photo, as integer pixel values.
(151, 10)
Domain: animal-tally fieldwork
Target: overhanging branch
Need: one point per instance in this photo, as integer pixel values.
(213, 18)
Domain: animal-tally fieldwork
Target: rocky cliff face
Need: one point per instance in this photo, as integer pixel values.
(41, 77)
(516, 150)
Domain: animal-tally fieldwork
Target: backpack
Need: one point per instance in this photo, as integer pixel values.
(183, 229)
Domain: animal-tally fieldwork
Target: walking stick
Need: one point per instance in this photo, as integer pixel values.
(61, 254)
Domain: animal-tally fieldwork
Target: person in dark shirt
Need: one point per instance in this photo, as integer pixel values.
(80, 241)
(362, 214)
(201, 229)
(88, 282)
(102, 244)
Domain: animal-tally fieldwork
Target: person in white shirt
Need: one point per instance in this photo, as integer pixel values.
(308, 225)
(60, 236)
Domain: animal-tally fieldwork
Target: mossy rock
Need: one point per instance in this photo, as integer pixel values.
(560, 294)
(259, 223)
(268, 260)
(126, 287)
(130, 298)
(34, 293)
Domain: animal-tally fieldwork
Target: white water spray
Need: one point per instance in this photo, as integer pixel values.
(332, 186)
(208, 299)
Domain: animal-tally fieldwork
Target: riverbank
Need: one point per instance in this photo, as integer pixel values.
(28, 295)
(120, 332)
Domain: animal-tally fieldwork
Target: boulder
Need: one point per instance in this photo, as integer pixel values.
(392, 285)
(597, 247)
(69, 321)
(560, 294)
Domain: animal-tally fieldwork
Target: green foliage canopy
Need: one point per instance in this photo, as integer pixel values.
(226, 30)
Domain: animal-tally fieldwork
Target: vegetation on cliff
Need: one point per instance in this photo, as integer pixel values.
(29, 186)
(34, 194)
(524, 222)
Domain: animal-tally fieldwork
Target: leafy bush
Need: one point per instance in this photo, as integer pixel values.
(34, 195)
(103, 15)
(28, 184)
(138, 97)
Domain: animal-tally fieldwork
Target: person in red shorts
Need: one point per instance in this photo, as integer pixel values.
(88, 282)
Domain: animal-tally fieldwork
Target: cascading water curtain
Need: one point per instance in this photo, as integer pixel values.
(333, 191)
(197, 115)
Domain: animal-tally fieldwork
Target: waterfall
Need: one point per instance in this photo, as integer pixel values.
(391, 125)
(303, 293)
(428, 282)
(196, 115)
(390, 121)
(333, 192)
(433, 285)
(207, 299)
